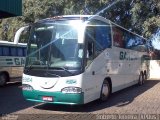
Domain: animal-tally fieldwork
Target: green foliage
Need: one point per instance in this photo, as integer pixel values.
(145, 16)
(140, 16)
(151, 25)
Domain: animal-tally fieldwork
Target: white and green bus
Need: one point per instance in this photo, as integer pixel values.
(76, 59)
(12, 58)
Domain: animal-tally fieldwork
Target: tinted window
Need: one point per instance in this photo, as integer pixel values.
(99, 33)
(20, 51)
(0, 50)
(5, 51)
(103, 36)
(24, 51)
(134, 42)
(118, 39)
(13, 51)
(130, 41)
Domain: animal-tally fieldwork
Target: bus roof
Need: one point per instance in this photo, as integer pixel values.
(87, 18)
(6, 43)
(69, 17)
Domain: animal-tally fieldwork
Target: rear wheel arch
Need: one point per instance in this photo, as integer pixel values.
(106, 89)
(110, 83)
(142, 73)
(141, 78)
(145, 74)
(7, 75)
(4, 78)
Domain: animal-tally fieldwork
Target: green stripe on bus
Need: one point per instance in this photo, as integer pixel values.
(58, 97)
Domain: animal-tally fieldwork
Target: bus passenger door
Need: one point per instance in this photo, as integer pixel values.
(90, 78)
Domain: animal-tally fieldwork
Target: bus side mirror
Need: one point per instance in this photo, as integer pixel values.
(87, 56)
(18, 34)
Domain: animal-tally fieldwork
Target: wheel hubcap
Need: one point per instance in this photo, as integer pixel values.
(105, 90)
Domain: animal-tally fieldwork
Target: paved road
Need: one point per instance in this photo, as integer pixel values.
(11, 99)
(131, 102)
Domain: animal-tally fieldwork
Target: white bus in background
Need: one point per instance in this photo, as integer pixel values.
(12, 57)
(77, 59)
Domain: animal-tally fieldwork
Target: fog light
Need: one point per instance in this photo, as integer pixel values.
(71, 90)
(27, 87)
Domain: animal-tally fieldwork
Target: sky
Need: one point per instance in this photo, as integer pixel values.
(156, 40)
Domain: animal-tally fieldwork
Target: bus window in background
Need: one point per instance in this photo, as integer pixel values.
(12, 59)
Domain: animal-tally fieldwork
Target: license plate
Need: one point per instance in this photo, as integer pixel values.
(47, 98)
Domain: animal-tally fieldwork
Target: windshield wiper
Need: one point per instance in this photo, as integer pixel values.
(38, 62)
(63, 68)
(48, 73)
(27, 69)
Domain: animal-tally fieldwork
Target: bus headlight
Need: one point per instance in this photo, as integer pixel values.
(71, 90)
(27, 87)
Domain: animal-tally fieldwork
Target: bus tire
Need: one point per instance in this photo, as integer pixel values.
(141, 79)
(105, 90)
(3, 79)
(145, 75)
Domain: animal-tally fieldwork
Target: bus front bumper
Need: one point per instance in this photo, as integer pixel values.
(54, 97)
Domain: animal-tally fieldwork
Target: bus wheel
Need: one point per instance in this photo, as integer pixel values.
(145, 76)
(141, 79)
(105, 91)
(3, 79)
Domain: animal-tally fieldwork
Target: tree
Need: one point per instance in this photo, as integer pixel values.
(139, 16)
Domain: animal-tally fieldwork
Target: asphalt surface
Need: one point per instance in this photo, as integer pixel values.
(136, 102)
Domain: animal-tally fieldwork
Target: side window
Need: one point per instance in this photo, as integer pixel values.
(90, 50)
(5, 51)
(13, 51)
(24, 51)
(127, 38)
(103, 36)
(1, 50)
(20, 51)
(130, 41)
(90, 40)
(118, 38)
(135, 43)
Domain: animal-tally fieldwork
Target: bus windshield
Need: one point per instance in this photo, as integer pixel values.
(54, 45)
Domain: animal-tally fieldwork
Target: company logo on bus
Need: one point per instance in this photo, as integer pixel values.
(71, 82)
(126, 56)
(26, 79)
